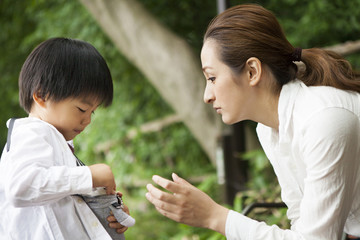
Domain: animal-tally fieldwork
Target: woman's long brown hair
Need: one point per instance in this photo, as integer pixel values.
(250, 30)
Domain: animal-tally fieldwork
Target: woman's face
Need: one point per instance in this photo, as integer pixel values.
(229, 94)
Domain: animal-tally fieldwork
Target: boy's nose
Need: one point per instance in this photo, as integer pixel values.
(87, 120)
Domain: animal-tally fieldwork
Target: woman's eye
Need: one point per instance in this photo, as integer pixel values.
(212, 79)
(81, 110)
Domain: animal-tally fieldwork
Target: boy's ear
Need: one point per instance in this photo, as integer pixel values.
(38, 99)
(254, 69)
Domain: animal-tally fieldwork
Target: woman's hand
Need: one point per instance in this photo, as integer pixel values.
(113, 223)
(186, 204)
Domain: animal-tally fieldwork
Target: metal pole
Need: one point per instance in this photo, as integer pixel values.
(221, 5)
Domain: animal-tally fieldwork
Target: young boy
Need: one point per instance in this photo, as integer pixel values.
(62, 83)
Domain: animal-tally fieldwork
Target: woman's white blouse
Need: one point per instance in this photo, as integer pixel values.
(316, 157)
(38, 182)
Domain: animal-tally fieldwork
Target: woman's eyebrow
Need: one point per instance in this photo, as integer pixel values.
(206, 67)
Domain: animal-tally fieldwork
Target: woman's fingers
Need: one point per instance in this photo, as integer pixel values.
(168, 201)
(174, 187)
(162, 204)
(158, 197)
(186, 204)
(165, 183)
(180, 180)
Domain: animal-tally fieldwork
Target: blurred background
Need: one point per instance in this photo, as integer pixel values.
(158, 123)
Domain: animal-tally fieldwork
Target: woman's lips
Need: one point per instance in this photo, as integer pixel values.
(218, 110)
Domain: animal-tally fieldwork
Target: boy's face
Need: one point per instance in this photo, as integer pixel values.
(70, 116)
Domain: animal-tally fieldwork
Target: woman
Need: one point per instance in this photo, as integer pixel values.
(308, 126)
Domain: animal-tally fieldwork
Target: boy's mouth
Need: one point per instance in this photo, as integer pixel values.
(78, 131)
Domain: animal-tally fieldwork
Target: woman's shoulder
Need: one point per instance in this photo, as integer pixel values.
(301, 106)
(314, 99)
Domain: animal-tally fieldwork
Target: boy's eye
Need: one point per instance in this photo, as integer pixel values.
(81, 110)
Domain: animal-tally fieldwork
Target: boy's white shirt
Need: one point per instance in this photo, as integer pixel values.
(39, 181)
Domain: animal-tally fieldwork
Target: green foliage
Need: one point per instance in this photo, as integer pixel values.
(180, 17)
(135, 158)
(13, 53)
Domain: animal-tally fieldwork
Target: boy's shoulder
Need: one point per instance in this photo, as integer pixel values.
(31, 124)
(30, 131)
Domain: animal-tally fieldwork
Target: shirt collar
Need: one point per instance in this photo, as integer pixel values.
(287, 99)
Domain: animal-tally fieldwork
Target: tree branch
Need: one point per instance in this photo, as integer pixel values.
(167, 61)
(154, 126)
(346, 48)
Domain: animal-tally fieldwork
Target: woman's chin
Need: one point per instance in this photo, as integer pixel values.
(227, 120)
(230, 121)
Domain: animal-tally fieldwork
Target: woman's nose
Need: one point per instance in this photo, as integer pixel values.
(209, 96)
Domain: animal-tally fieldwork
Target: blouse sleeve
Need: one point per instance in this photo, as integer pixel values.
(330, 146)
(33, 173)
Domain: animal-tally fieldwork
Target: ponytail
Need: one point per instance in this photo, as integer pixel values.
(327, 68)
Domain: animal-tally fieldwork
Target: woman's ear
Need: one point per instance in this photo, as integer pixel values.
(253, 66)
(38, 99)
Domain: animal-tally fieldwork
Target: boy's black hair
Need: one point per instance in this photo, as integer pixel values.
(60, 68)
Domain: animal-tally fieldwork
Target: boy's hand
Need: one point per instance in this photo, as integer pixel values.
(113, 223)
(102, 176)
